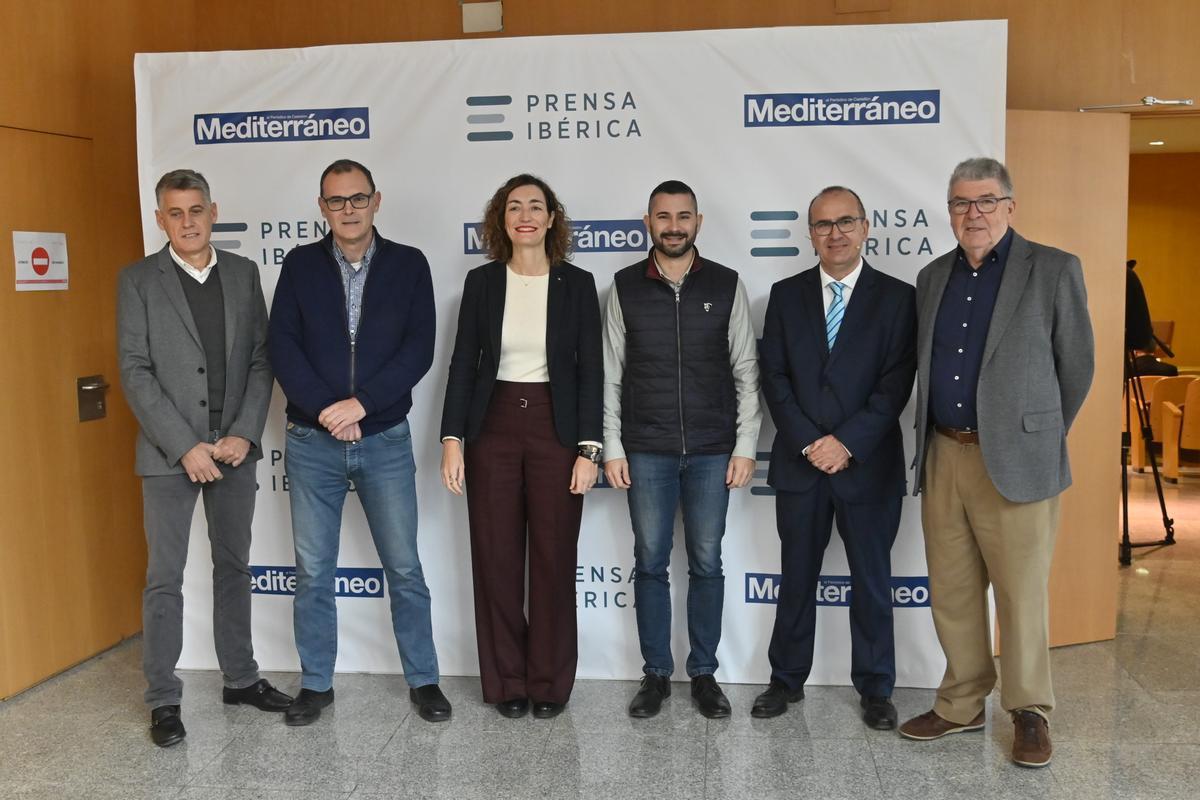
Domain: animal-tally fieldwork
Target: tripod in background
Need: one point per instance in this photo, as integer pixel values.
(1139, 333)
(1135, 396)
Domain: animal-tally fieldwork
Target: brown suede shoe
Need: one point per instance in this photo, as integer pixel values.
(930, 726)
(1031, 740)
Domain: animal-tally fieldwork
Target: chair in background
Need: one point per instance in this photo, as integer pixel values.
(1164, 331)
(1181, 431)
(1167, 390)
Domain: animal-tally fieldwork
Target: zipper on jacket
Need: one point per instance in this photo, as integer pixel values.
(679, 371)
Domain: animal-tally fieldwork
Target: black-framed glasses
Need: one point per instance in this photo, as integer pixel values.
(337, 202)
(985, 205)
(824, 227)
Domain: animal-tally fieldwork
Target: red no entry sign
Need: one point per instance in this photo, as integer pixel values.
(40, 260)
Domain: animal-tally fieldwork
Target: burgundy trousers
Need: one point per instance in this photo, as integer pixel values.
(518, 478)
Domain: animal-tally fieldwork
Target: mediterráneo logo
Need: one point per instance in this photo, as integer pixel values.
(587, 236)
(834, 590)
(844, 108)
(296, 125)
(347, 581)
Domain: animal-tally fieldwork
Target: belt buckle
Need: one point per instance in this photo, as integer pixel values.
(524, 403)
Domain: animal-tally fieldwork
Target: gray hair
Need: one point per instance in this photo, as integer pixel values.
(828, 190)
(981, 169)
(181, 180)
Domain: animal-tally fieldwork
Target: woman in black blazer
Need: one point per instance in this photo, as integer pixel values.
(524, 401)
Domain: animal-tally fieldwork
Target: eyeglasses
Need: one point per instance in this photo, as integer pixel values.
(824, 227)
(337, 203)
(985, 205)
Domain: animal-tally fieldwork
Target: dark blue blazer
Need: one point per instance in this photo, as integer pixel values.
(856, 392)
(310, 344)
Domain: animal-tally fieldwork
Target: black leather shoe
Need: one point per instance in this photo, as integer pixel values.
(547, 710)
(774, 701)
(709, 698)
(649, 699)
(432, 705)
(166, 728)
(515, 708)
(261, 694)
(306, 708)
(878, 713)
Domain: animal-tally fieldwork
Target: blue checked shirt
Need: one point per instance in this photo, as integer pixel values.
(353, 281)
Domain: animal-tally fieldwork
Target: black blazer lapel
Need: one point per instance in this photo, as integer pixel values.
(858, 311)
(556, 298)
(169, 280)
(496, 289)
(813, 309)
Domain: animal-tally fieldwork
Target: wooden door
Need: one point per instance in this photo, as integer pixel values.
(71, 547)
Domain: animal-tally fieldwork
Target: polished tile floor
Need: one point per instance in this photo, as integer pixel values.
(1127, 726)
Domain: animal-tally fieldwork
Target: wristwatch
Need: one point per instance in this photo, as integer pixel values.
(591, 452)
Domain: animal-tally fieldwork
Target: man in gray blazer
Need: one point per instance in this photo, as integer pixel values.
(192, 335)
(1004, 362)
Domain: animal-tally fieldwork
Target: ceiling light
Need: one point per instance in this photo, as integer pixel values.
(1157, 143)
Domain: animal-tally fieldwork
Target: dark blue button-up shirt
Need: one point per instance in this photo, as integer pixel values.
(959, 335)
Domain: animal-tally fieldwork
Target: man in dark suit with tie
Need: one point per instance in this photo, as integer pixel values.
(837, 359)
(192, 335)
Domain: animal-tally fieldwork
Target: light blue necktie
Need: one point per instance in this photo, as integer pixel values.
(837, 310)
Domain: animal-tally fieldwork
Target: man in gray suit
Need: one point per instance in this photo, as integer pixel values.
(1004, 362)
(192, 335)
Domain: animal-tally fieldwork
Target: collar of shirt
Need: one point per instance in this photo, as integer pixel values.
(652, 270)
(344, 262)
(999, 254)
(847, 282)
(201, 275)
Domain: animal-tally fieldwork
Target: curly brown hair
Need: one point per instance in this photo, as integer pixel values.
(495, 237)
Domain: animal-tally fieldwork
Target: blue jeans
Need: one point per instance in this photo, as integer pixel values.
(319, 470)
(660, 484)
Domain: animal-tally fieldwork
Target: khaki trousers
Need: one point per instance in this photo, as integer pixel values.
(974, 536)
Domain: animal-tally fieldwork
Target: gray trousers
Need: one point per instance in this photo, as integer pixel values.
(168, 502)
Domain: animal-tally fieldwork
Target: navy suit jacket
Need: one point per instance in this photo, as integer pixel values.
(856, 392)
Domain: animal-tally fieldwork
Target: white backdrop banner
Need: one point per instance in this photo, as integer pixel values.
(756, 121)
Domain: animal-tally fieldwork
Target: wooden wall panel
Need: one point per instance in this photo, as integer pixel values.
(1061, 55)
(44, 67)
(1164, 216)
(1058, 161)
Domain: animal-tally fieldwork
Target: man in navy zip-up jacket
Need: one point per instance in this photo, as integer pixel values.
(351, 333)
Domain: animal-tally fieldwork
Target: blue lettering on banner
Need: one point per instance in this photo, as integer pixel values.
(295, 125)
(347, 581)
(834, 590)
(587, 236)
(843, 108)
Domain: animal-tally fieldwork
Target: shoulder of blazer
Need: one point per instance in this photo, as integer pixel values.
(145, 266)
(944, 261)
(406, 253)
(794, 283)
(573, 274)
(889, 283)
(1040, 253)
(238, 262)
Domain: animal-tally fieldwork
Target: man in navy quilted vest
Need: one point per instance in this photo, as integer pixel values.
(681, 420)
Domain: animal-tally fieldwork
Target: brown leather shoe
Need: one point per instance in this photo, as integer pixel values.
(1031, 740)
(930, 726)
